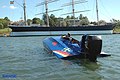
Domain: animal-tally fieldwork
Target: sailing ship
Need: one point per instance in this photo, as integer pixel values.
(49, 30)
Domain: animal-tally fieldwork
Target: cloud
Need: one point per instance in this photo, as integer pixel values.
(13, 7)
(4, 6)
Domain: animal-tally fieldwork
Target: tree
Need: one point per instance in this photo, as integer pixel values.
(114, 20)
(44, 18)
(117, 22)
(68, 17)
(54, 21)
(102, 22)
(72, 17)
(7, 19)
(1, 26)
(84, 21)
(64, 23)
(29, 21)
(94, 23)
(4, 23)
(41, 22)
(81, 17)
(36, 21)
(67, 21)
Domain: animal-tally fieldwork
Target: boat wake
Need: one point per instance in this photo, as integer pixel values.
(103, 54)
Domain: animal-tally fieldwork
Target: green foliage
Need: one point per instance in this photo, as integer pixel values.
(36, 21)
(53, 21)
(64, 23)
(81, 17)
(117, 22)
(41, 22)
(1, 26)
(44, 18)
(68, 17)
(116, 29)
(83, 20)
(72, 17)
(67, 20)
(102, 22)
(67, 23)
(29, 21)
(5, 31)
(7, 19)
(94, 23)
(4, 23)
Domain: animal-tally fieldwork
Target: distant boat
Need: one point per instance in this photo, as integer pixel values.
(36, 31)
(49, 30)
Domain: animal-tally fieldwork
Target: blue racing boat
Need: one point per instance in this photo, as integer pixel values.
(65, 47)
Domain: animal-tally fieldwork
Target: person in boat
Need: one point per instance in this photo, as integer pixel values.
(72, 40)
(67, 37)
(81, 43)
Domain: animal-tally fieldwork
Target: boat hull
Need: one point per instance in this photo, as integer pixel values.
(74, 30)
(58, 48)
(67, 47)
(52, 33)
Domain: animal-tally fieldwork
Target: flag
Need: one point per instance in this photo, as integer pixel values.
(11, 2)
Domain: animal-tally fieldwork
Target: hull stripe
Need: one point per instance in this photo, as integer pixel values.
(64, 54)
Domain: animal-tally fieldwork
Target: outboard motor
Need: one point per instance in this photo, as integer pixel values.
(91, 46)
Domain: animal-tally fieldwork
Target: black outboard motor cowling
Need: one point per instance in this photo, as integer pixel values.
(92, 46)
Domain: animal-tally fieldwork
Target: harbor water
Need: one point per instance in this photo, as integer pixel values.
(24, 58)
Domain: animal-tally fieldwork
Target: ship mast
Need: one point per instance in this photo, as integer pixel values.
(97, 12)
(46, 2)
(73, 11)
(73, 8)
(46, 7)
(24, 8)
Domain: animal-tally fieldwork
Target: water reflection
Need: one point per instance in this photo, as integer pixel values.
(83, 62)
(84, 68)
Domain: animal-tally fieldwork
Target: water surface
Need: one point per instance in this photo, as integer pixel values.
(26, 58)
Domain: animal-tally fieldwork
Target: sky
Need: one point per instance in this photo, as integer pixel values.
(108, 9)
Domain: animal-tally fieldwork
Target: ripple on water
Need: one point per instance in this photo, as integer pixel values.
(26, 57)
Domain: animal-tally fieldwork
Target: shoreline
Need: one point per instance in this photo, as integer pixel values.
(5, 32)
(116, 31)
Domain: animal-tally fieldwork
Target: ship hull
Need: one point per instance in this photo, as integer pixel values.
(74, 30)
